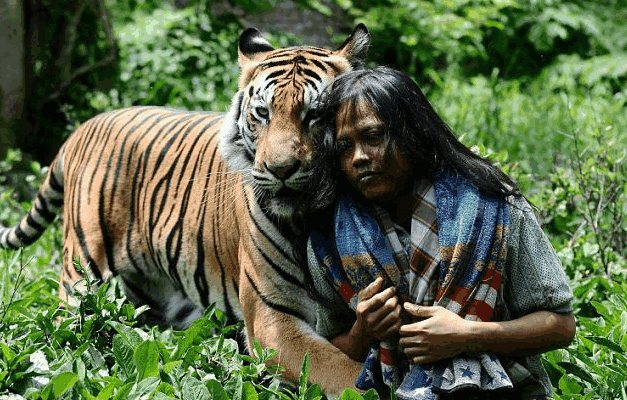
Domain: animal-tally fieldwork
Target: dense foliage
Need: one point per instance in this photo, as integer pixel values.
(538, 86)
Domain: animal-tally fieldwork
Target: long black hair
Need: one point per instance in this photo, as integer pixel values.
(411, 125)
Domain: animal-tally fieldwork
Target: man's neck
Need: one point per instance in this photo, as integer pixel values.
(401, 208)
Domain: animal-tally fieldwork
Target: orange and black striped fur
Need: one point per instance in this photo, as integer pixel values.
(193, 208)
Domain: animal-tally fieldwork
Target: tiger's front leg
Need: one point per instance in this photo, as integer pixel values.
(292, 337)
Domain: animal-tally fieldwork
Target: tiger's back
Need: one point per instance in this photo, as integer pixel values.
(147, 192)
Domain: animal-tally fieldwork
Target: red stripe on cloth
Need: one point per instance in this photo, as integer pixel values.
(461, 295)
(387, 356)
(481, 310)
(346, 291)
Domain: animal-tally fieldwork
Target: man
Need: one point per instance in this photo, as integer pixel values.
(431, 266)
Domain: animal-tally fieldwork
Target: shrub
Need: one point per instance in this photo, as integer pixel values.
(178, 58)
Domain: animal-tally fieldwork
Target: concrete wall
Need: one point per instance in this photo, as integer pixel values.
(287, 16)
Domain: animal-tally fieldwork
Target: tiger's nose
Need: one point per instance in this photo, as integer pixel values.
(284, 171)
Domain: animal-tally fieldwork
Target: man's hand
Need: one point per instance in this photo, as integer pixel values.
(378, 312)
(440, 334)
(378, 317)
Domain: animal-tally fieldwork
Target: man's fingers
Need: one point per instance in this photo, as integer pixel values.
(421, 359)
(371, 290)
(388, 321)
(420, 311)
(386, 299)
(380, 306)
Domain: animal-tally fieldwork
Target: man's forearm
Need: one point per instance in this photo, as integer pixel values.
(534, 333)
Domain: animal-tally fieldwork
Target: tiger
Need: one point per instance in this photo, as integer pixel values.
(192, 208)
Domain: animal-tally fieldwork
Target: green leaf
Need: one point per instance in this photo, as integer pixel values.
(249, 392)
(162, 396)
(124, 391)
(169, 367)
(193, 389)
(63, 382)
(128, 334)
(313, 392)
(303, 379)
(371, 395)
(123, 354)
(146, 386)
(603, 310)
(350, 394)
(147, 360)
(216, 390)
(569, 386)
(7, 353)
(234, 387)
(607, 343)
(257, 347)
(576, 370)
(106, 392)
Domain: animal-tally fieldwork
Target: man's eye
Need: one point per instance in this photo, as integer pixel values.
(373, 136)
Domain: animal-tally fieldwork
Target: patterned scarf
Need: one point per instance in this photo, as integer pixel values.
(466, 261)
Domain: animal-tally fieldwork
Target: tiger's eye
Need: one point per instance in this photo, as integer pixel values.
(262, 112)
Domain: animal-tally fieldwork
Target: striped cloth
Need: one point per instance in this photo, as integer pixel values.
(458, 241)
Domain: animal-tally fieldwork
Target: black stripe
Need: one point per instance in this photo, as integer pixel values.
(200, 279)
(311, 51)
(273, 75)
(95, 270)
(25, 239)
(80, 234)
(281, 308)
(107, 237)
(284, 274)
(260, 229)
(274, 64)
(319, 64)
(312, 74)
(184, 312)
(56, 203)
(43, 210)
(54, 183)
(34, 224)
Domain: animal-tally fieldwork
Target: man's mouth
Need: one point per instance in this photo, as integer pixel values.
(366, 176)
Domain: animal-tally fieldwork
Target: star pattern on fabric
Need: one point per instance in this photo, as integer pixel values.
(466, 372)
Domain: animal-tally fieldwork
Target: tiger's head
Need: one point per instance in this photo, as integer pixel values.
(267, 132)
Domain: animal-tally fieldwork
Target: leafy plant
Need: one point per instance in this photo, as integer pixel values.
(97, 350)
(179, 58)
(595, 365)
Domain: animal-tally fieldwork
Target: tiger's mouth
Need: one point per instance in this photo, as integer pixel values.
(280, 204)
(288, 193)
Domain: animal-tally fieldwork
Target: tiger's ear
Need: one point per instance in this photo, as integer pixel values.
(252, 45)
(355, 47)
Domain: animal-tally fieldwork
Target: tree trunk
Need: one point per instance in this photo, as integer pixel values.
(11, 72)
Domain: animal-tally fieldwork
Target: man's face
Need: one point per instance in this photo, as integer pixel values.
(364, 159)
